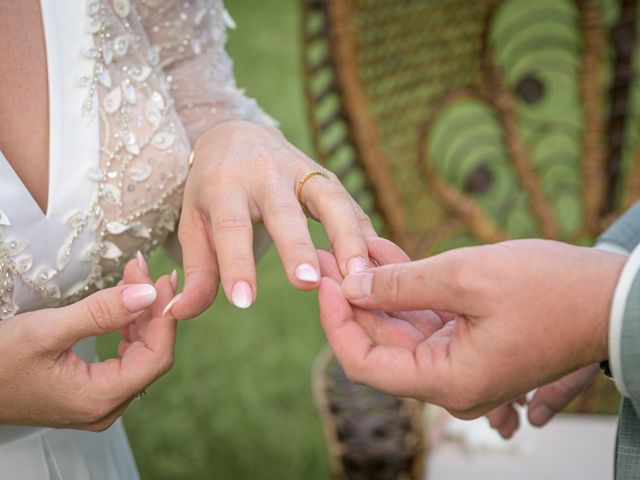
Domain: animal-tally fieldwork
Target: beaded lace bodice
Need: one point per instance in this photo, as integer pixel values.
(150, 77)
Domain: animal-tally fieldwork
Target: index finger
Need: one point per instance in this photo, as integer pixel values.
(328, 201)
(200, 264)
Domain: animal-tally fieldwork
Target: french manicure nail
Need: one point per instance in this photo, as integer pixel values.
(142, 263)
(356, 264)
(541, 415)
(241, 294)
(357, 285)
(138, 297)
(174, 280)
(307, 273)
(173, 301)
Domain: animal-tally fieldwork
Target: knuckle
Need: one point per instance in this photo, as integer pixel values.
(185, 230)
(284, 208)
(100, 312)
(565, 389)
(349, 230)
(363, 218)
(39, 336)
(217, 173)
(393, 286)
(271, 171)
(336, 193)
(235, 259)
(460, 279)
(167, 363)
(299, 243)
(268, 188)
(231, 222)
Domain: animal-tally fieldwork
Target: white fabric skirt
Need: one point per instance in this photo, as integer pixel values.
(52, 454)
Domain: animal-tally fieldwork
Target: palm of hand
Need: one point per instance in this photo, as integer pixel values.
(510, 318)
(418, 341)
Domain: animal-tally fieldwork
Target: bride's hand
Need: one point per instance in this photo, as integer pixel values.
(46, 384)
(245, 173)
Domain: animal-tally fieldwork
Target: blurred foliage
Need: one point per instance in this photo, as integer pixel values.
(238, 401)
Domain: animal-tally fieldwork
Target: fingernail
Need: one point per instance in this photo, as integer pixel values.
(356, 264)
(242, 295)
(541, 415)
(174, 280)
(173, 301)
(357, 285)
(307, 273)
(138, 297)
(142, 263)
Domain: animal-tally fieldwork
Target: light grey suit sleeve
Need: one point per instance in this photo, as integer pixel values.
(625, 232)
(630, 344)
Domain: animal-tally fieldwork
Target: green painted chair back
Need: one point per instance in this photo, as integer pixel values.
(457, 122)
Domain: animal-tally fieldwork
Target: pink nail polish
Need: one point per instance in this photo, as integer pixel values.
(307, 273)
(173, 301)
(138, 297)
(142, 263)
(356, 264)
(357, 285)
(174, 280)
(242, 294)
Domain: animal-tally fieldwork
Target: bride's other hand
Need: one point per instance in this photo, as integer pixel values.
(52, 386)
(244, 173)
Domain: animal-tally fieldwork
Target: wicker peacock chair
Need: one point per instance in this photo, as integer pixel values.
(456, 122)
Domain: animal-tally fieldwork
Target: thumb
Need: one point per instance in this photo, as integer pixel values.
(103, 312)
(435, 283)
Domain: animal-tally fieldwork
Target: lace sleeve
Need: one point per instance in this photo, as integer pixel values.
(189, 37)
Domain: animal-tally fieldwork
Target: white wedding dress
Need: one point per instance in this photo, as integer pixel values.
(132, 83)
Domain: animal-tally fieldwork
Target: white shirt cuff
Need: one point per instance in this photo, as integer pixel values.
(618, 305)
(612, 247)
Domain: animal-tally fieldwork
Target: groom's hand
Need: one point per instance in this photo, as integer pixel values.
(521, 314)
(546, 402)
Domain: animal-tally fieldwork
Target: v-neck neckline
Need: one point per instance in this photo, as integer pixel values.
(45, 212)
(73, 138)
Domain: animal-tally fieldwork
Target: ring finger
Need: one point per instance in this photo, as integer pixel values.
(328, 201)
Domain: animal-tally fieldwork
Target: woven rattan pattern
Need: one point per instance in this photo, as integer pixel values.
(456, 122)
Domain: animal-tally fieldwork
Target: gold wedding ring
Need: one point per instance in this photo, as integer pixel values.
(301, 183)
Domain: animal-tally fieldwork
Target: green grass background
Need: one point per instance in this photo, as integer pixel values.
(238, 402)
